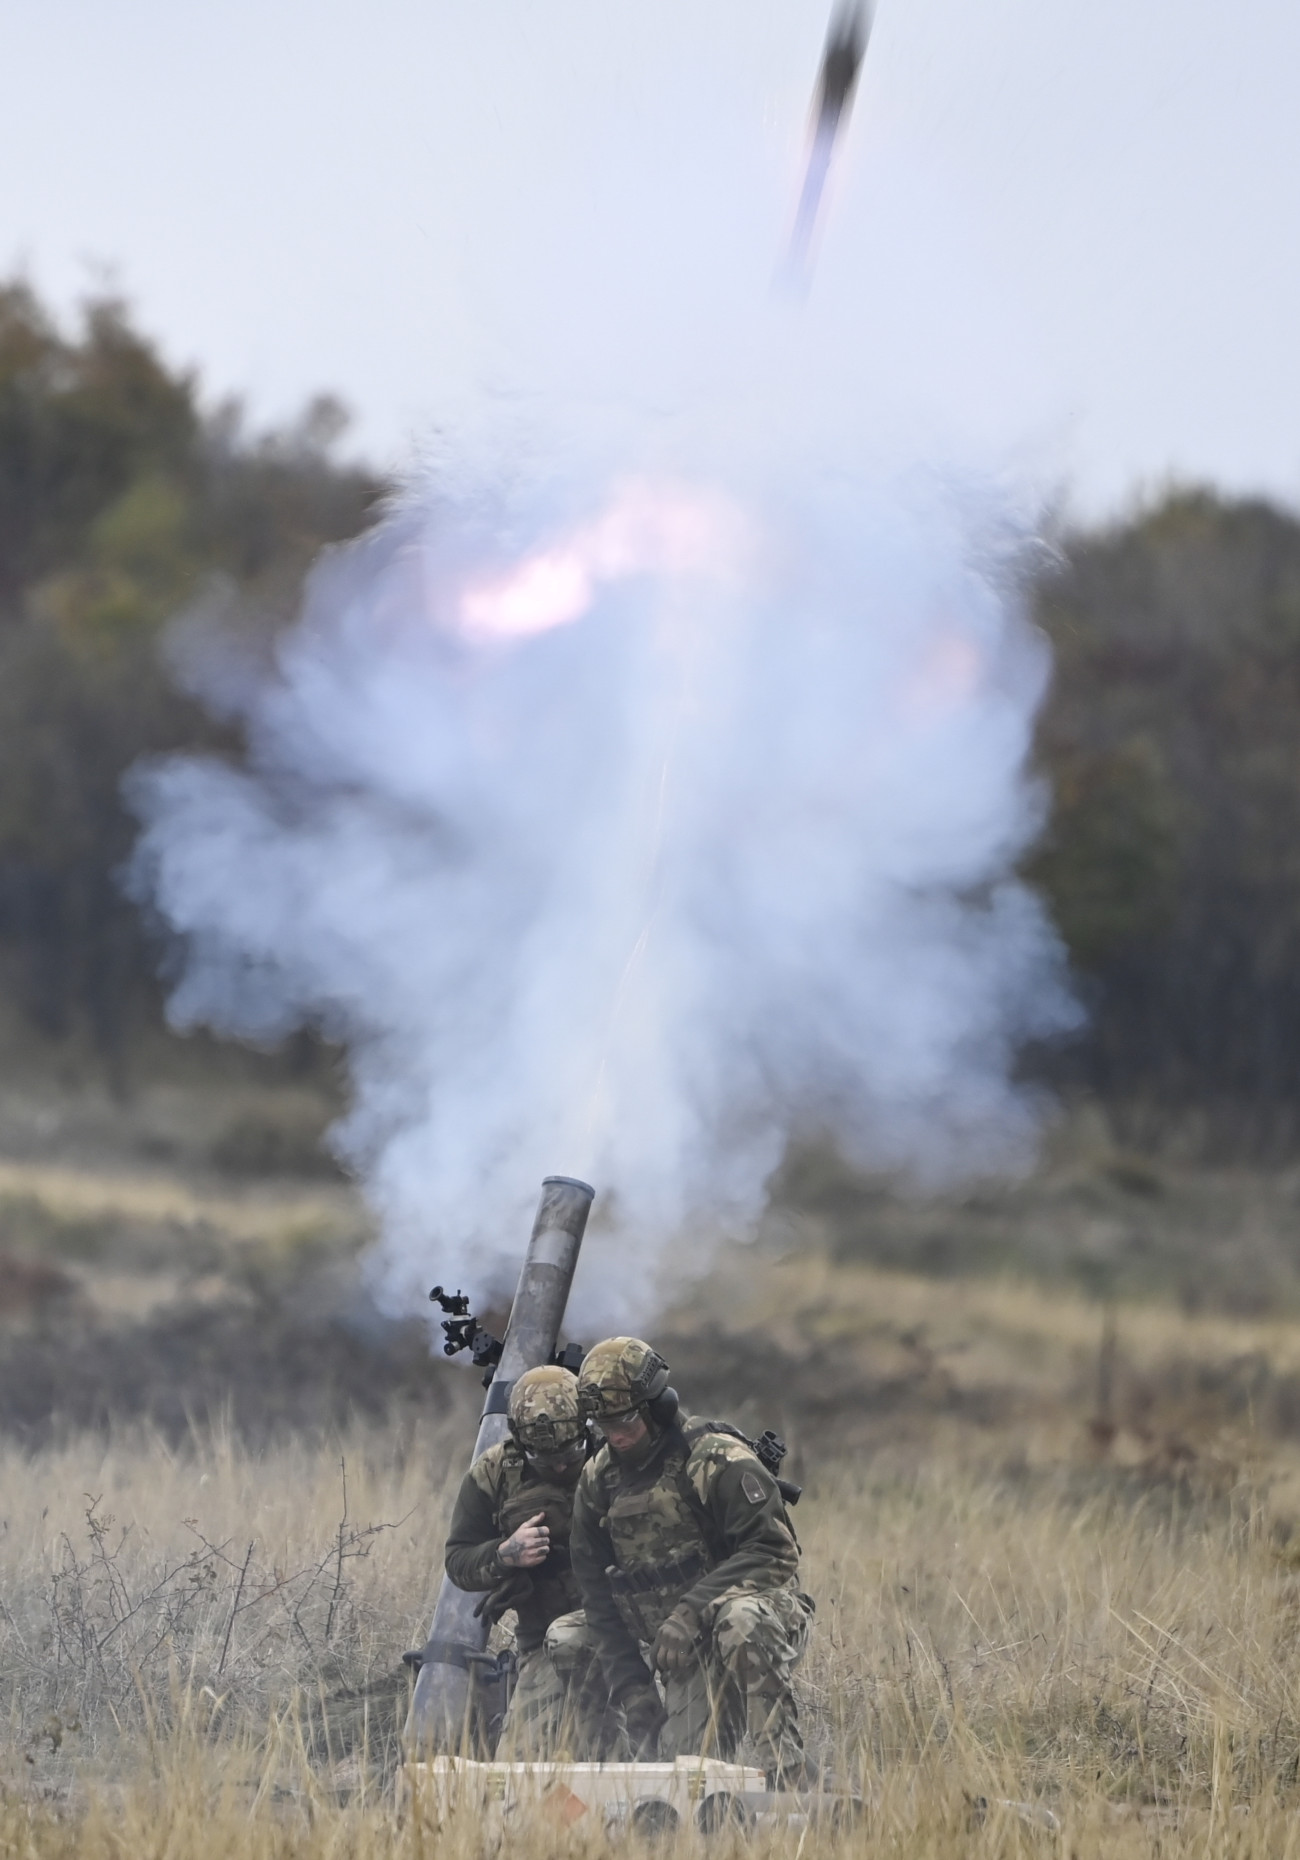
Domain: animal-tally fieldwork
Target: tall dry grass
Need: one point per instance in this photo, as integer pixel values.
(200, 1646)
(1058, 1635)
(142, 1583)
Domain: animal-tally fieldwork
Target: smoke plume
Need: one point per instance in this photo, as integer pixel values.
(642, 794)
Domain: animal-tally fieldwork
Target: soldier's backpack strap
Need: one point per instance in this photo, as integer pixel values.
(689, 1438)
(605, 1470)
(769, 1450)
(790, 1494)
(685, 1440)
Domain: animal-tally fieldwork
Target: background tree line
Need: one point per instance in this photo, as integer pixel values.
(120, 501)
(1171, 740)
(1171, 860)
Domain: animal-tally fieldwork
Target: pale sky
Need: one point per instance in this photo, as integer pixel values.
(1091, 211)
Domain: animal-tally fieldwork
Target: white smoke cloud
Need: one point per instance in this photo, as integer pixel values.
(628, 853)
(645, 790)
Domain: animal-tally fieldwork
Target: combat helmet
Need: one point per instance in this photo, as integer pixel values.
(620, 1375)
(543, 1412)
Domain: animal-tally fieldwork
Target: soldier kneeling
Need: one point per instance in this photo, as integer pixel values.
(510, 1537)
(688, 1568)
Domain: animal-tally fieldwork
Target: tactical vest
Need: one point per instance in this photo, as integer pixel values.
(662, 1537)
(520, 1495)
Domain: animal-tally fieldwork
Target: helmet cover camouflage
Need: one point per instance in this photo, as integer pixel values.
(619, 1375)
(542, 1412)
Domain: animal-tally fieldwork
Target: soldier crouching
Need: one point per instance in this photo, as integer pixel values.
(688, 1568)
(510, 1538)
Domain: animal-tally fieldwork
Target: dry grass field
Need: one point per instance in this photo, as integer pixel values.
(1052, 1519)
(199, 1645)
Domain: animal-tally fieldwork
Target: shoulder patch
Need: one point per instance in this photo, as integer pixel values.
(753, 1488)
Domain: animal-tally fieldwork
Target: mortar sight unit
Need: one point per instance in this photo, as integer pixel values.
(462, 1331)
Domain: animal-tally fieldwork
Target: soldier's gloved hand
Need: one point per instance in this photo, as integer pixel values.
(508, 1593)
(645, 1718)
(675, 1643)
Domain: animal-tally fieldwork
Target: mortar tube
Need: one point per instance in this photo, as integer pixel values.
(439, 1714)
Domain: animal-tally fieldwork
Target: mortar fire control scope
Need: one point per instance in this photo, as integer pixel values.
(463, 1331)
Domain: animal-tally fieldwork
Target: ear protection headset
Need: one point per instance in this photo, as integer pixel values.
(662, 1408)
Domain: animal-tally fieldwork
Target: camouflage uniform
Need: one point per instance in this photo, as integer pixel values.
(556, 1705)
(698, 1526)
